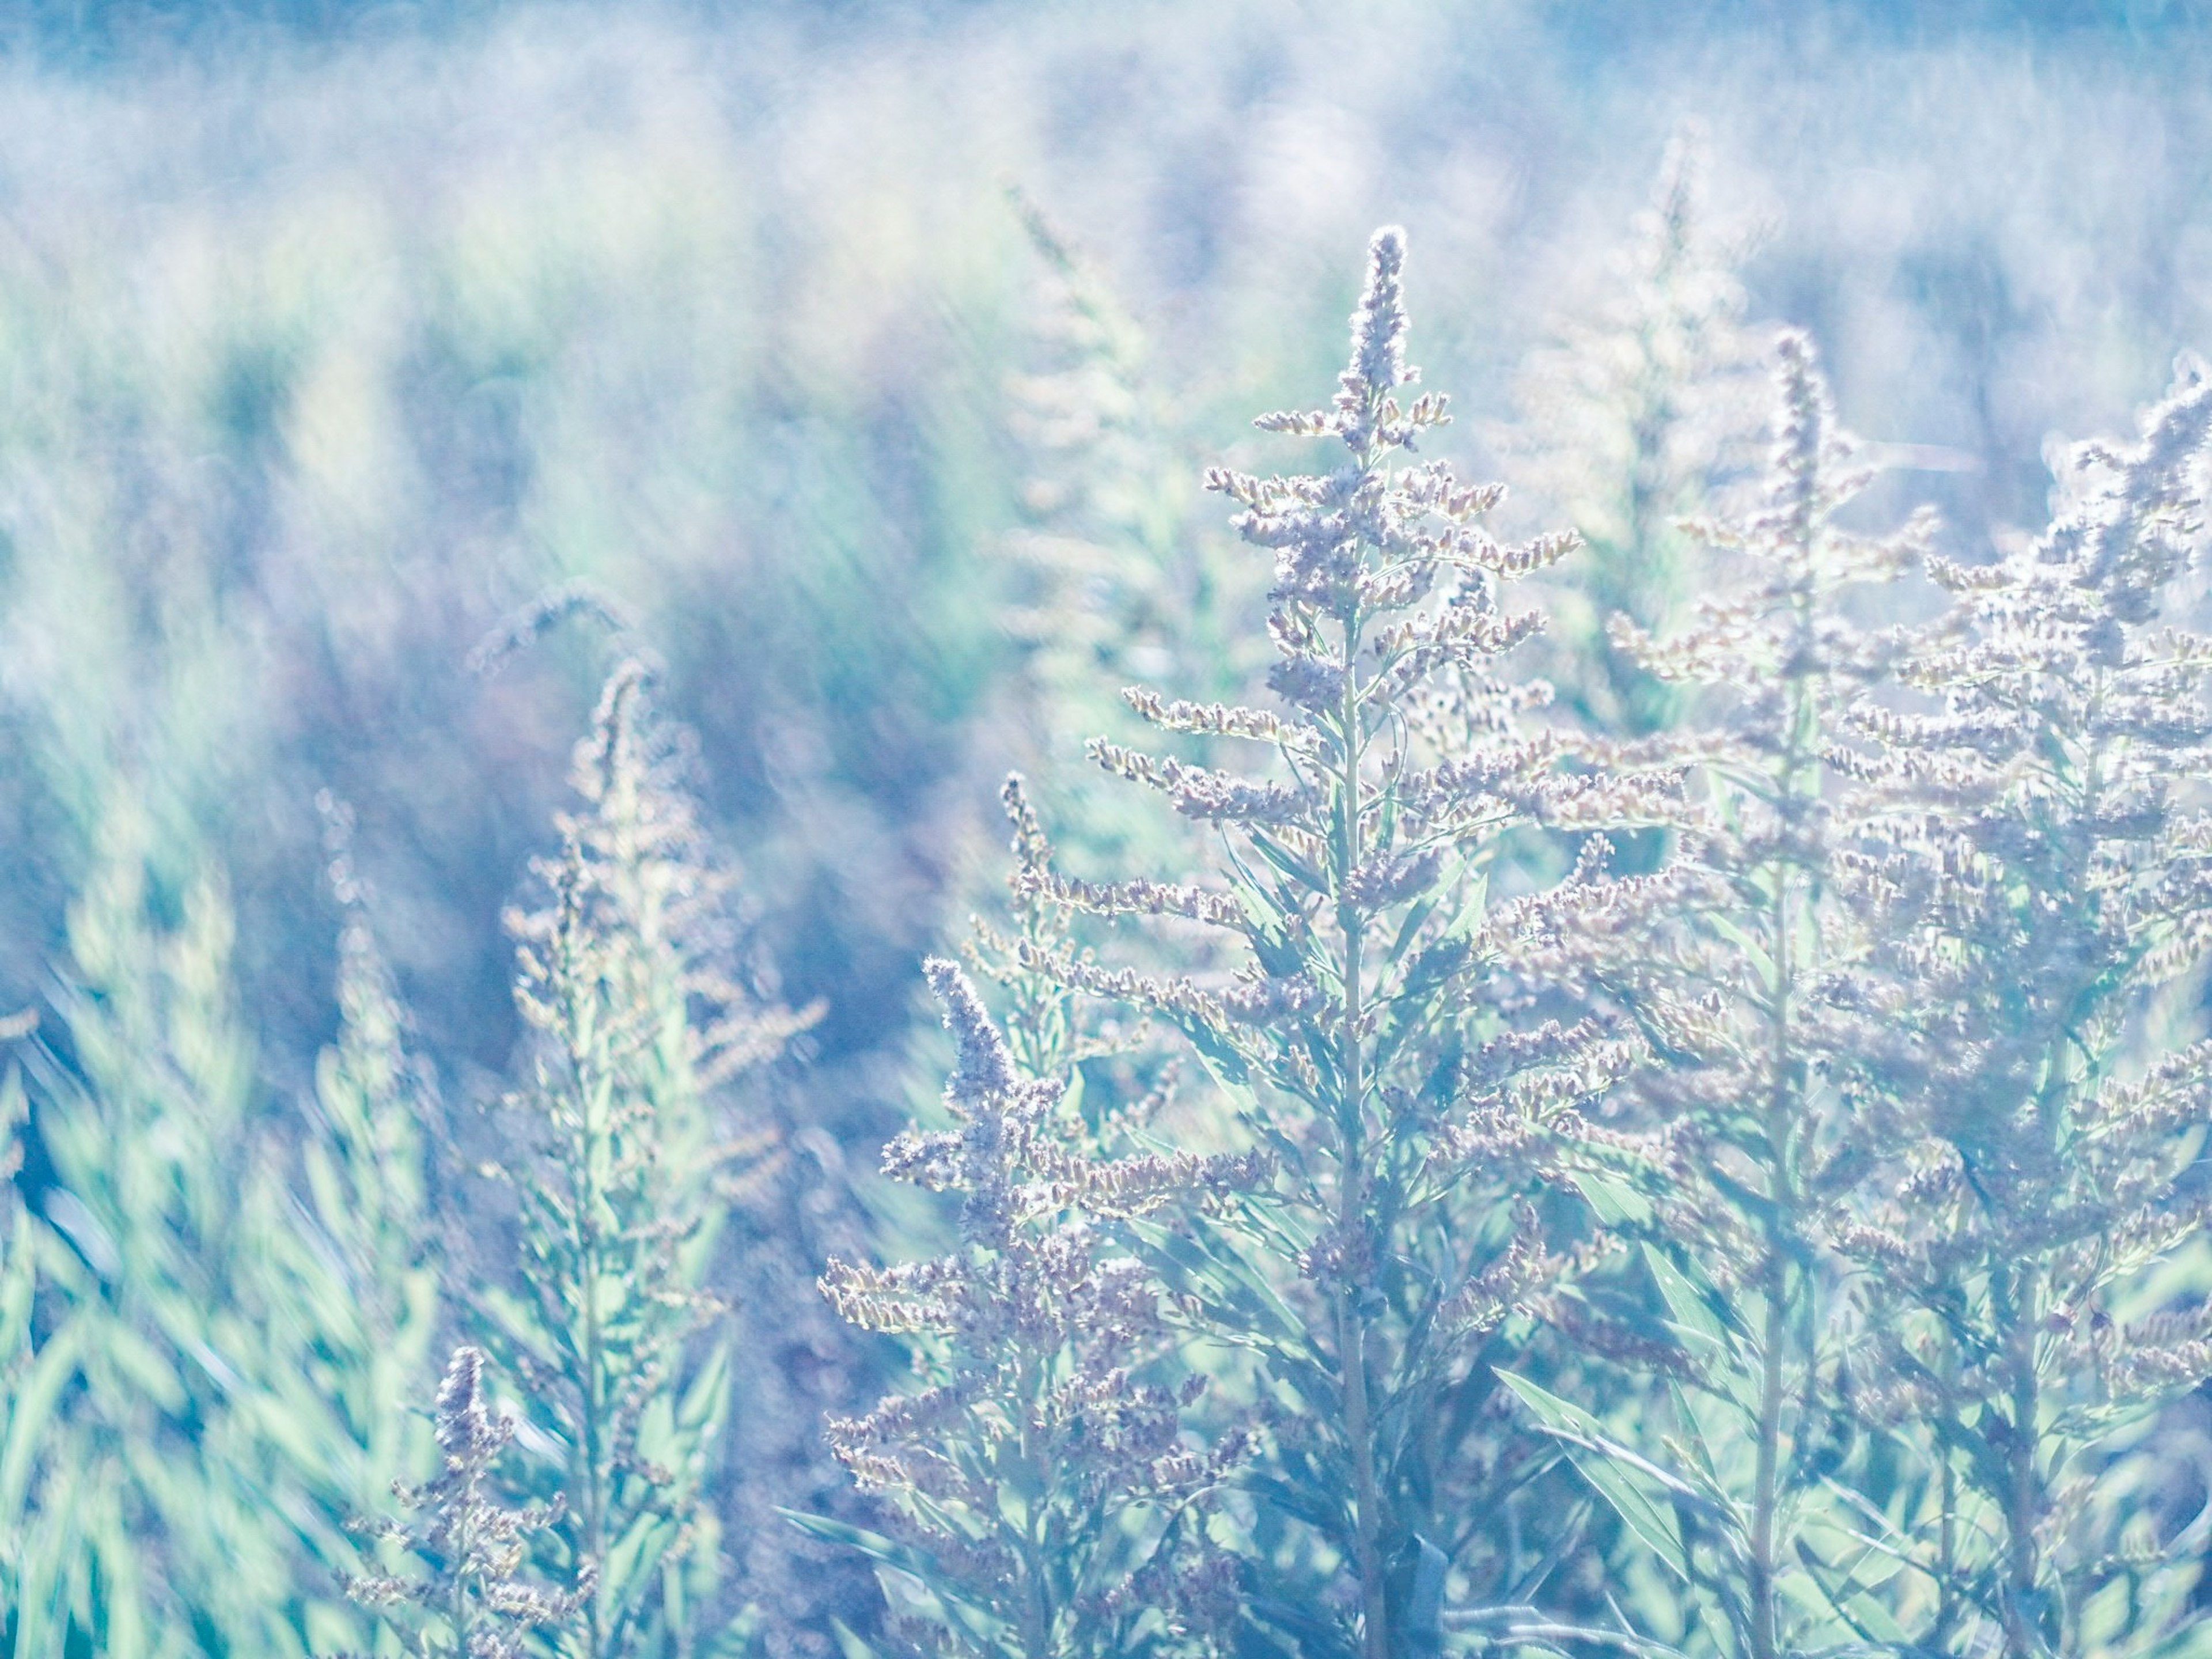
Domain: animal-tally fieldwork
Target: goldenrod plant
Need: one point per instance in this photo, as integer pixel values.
(639, 1012)
(1626, 424)
(2032, 832)
(1370, 1040)
(476, 1600)
(1725, 961)
(1111, 574)
(1102, 561)
(143, 1127)
(1824, 1200)
(338, 1239)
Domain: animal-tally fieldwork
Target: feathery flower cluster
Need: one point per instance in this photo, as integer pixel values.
(1044, 1487)
(628, 978)
(476, 1600)
(1372, 1280)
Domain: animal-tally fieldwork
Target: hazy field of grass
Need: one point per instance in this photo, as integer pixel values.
(847, 374)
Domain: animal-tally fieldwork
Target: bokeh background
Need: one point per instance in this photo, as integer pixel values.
(332, 334)
(329, 335)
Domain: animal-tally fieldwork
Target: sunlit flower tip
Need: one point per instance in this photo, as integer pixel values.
(985, 1070)
(1378, 327)
(1804, 399)
(463, 1422)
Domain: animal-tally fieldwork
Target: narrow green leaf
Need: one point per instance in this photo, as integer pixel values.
(1651, 1521)
(1615, 1203)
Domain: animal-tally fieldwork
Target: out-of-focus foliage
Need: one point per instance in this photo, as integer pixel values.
(630, 977)
(1115, 579)
(1629, 424)
(325, 349)
(222, 1318)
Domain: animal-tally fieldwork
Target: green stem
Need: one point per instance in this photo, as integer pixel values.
(1037, 1604)
(1774, 1284)
(1352, 1185)
(585, 1233)
(1765, 1640)
(1784, 1108)
(464, 1608)
(1946, 1609)
(2022, 1565)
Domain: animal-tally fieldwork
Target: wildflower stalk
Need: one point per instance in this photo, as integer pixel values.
(1039, 1489)
(1108, 577)
(2032, 847)
(1351, 1197)
(1797, 794)
(476, 1594)
(1725, 969)
(625, 978)
(1367, 1038)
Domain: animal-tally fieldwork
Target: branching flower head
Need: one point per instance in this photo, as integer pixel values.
(2030, 841)
(1037, 1452)
(1370, 967)
(477, 1600)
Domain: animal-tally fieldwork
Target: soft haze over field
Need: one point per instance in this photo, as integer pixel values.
(326, 345)
(331, 339)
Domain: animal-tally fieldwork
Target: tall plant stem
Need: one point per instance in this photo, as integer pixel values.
(1783, 1109)
(1947, 1594)
(1766, 1639)
(1352, 1185)
(1036, 1604)
(2022, 1565)
(593, 1498)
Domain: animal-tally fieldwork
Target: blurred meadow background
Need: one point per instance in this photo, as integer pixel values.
(333, 336)
(333, 339)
